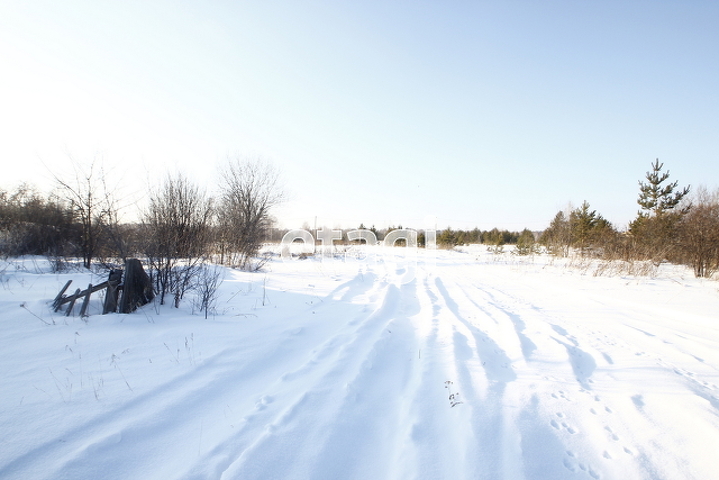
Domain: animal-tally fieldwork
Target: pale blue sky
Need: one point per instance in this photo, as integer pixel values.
(478, 113)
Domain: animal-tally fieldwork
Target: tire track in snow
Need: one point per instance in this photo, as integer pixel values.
(91, 437)
(555, 436)
(543, 424)
(367, 423)
(581, 361)
(496, 363)
(366, 398)
(499, 313)
(647, 337)
(364, 369)
(428, 414)
(204, 388)
(564, 406)
(494, 449)
(601, 444)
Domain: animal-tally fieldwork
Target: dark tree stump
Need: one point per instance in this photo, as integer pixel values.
(137, 288)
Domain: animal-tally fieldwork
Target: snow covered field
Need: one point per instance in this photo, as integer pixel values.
(482, 366)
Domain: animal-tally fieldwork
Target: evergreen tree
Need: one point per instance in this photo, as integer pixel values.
(655, 198)
(654, 229)
(447, 238)
(582, 223)
(494, 237)
(526, 243)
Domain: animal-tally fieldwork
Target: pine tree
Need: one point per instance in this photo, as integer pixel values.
(656, 199)
(654, 227)
(447, 238)
(526, 243)
(582, 222)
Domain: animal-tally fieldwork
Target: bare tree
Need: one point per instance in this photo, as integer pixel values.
(698, 234)
(115, 234)
(558, 236)
(176, 227)
(250, 190)
(92, 203)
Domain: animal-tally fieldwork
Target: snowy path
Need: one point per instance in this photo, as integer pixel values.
(343, 373)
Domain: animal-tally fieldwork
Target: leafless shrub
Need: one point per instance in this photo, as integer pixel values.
(207, 282)
(557, 238)
(176, 227)
(250, 190)
(697, 243)
(632, 268)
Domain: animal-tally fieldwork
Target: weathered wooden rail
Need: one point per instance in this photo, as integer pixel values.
(133, 283)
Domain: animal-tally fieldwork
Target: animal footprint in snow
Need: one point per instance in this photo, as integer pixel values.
(561, 394)
(570, 464)
(612, 435)
(569, 429)
(564, 425)
(453, 397)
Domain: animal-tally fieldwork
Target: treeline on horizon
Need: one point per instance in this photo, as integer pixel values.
(80, 219)
(446, 238)
(671, 226)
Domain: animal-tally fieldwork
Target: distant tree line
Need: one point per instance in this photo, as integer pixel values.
(671, 226)
(31, 223)
(183, 228)
(449, 237)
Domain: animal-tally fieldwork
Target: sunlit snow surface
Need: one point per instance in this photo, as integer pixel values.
(335, 368)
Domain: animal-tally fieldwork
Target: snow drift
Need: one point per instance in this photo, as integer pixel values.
(481, 366)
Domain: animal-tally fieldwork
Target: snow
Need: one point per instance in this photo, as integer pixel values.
(468, 365)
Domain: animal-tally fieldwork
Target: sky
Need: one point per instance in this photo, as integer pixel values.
(386, 113)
